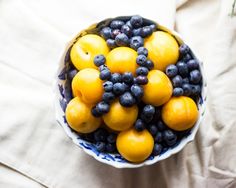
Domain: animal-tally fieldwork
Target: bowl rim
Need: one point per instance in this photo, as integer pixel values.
(72, 134)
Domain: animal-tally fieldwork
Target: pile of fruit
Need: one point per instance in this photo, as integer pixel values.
(134, 89)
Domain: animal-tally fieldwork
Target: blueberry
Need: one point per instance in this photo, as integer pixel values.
(106, 33)
(139, 125)
(95, 112)
(127, 87)
(149, 64)
(102, 107)
(136, 42)
(161, 126)
(111, 43)
(169, 137)
(193, 64)
(135, 80)
(127, 99)
(171, 71)
(153, 129)
(177, 81)
(72, 73)
(100, 135)
(116, 24)
(186, 58)
(146, 31)
(108, 97)
(103, 67)
(136, 32)
(105, 74)
(101, 146)
(153, 27)
(108, 86)
(116, 77)
(142, 71)
(187, 89)
(142, 51)
(136, 21)
(195, 76)
(158, 138)
(157, 115)
(195, 89)
(137, 91)
(178, 91)
(111, 138)
(115, 32)
(182, 68)
(126, 30)
(129, 24)
(184, 49)
(185, 81)
(118, 88)
(99, 60)
(142, 80)
(148, 110)
(122, 40)
(110, 148)
(141, 60)
(127, 77)
(157, 149)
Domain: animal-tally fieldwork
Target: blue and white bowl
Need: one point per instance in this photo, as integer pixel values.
(116, 160)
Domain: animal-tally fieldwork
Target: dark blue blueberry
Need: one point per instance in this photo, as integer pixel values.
(122, 40)
(95, 112)
(127, 99)
(142, 51)
(185, 81)
(153, 27)
(110, 148)
(184, 49)
(116, 24)
(187, 89)
(126, 30)
(157, 149)
(111, 43)
(136, 32)
(146, 31)
(105, 74)
(118, 88)
(182, 68)
(142, 71)
(108, 86)
(142, 80)
(195, 76)
(108, 97)
(127, 77)
(136, 42)
(161, 126)
(186, 58)
(99, 60)
(115, 32)
(72, 73)
(148, 110)
(106, 33)
(129, 24)
(141, 60)
(153, 129)
(116, 77)
(169, 137)
(193, 64)
(111, 138)
(195, 89)
(158, 138)
(100, 135)
(178, 91)
(149, 64)
(177, 81)
(171, 71)
(101, 146)
(102, 107)
(137, 91)
(139, 125)
(136, 21)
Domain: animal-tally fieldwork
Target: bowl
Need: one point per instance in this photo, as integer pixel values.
(61, 98)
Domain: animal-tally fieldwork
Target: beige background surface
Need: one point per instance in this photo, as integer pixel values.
(35, 152)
